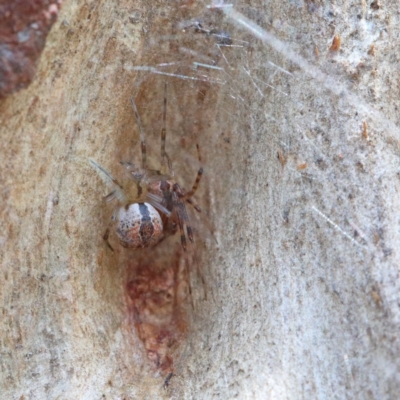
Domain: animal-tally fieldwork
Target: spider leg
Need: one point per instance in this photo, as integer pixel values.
(188, 228)
(142, 135)
(194, 205)
(106, 173)
(107, 232)
(168, 379)
(196, 184)
(164, 155)
(203, 281)
(156, 202)
(182, 216)
(200, 274)
(118, 191)
(204, 220)
(189, 282)
(177, 207)
(105, 238)
(198, 152)
(110, 197)
(181, 210)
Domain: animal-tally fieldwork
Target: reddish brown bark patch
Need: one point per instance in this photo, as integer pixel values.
(24, 25)
(157, 292)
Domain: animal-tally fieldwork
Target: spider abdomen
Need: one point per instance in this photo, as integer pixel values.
(139, 225)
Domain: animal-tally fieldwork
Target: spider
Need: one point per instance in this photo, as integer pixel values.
(158, 208)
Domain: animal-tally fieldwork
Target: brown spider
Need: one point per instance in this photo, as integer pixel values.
(158, 206)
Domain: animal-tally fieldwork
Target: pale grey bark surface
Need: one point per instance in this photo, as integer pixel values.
(303, 283)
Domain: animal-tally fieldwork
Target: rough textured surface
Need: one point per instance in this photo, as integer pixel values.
(24, 25)
(301, 188)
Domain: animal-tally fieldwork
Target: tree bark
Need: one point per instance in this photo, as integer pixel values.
(300, 190)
